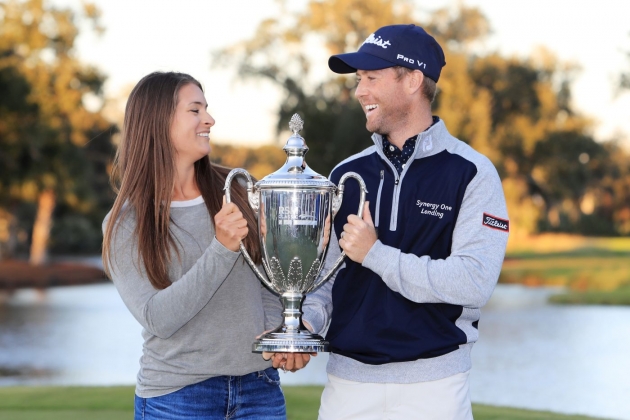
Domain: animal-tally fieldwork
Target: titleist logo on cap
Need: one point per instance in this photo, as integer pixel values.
(377, 41)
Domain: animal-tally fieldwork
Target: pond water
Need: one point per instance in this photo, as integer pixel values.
(568, 359)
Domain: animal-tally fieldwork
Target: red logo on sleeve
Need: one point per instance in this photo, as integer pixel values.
(497, 223)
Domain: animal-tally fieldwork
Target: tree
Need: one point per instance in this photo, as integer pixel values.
(334, 123)
(259, 162)
(515, 111)
(614, 190)
(618, 185)
(51, 129)
(624, 77)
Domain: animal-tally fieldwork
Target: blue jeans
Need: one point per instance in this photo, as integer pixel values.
(255, 396)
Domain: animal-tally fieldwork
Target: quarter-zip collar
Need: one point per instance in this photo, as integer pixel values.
(428, 143)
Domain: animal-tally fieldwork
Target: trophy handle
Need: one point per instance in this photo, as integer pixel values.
(336, 205)
(255, 205)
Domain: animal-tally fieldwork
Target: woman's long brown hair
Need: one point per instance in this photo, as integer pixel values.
(143, 176)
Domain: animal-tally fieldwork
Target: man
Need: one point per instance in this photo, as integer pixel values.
(404, 307)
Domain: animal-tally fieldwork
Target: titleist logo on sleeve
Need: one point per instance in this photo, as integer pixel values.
(496, 223)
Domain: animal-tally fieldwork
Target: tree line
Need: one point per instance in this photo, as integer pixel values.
(516, 111)
(56, 145)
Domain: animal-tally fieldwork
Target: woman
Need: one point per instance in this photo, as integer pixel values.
(173, 255)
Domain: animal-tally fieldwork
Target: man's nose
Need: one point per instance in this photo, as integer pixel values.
(359, 91)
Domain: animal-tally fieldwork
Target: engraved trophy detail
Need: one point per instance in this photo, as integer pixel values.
(295, 207)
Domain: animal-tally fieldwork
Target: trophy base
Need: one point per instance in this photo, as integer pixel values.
(301, 342)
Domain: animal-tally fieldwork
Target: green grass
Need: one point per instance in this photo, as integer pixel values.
(620, 296)
(486, 412)
(113, 403)
(302, 401)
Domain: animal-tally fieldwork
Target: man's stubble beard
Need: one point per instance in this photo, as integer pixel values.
(384, 124)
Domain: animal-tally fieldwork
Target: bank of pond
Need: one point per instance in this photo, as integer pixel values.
(587, 271)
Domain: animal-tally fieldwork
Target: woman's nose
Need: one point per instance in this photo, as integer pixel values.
(209, 120)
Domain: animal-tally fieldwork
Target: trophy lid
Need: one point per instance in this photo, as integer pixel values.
(295, 172)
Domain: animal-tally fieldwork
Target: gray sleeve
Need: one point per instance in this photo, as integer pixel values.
(468, 276)
(272, 307)
(163, 312)
(317, 306)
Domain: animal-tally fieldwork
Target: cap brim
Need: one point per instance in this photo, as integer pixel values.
(351, 62)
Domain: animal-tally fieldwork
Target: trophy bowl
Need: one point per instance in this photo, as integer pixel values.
(295, 207)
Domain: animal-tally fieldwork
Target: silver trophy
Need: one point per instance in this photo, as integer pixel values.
(295, 207)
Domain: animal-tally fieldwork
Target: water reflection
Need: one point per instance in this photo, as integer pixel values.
(569, 359)
(72, 335)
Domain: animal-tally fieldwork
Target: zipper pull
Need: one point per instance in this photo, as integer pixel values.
(397, 181)
(382, 173)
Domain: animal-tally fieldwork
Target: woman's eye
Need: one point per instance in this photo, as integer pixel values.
(196, 111)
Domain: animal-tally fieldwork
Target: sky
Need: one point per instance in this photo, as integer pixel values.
(142, 36)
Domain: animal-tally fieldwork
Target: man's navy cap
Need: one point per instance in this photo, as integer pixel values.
(395, 45)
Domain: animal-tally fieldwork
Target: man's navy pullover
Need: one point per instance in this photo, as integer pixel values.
(409, 313)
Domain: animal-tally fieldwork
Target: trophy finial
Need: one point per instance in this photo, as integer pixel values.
(296, 124)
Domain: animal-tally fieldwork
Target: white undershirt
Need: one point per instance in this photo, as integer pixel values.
(187, 203)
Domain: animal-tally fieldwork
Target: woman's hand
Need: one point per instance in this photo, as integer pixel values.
(289, 362)
(230, 226)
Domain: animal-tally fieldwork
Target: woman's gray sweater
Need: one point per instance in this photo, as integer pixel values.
(203, 325)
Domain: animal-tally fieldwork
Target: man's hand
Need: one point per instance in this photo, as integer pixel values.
(358, 235)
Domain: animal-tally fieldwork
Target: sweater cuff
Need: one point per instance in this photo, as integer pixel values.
(314, 319)
(379, 257)
(222, 251)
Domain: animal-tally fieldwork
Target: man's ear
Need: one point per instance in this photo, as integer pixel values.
(414, 81)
